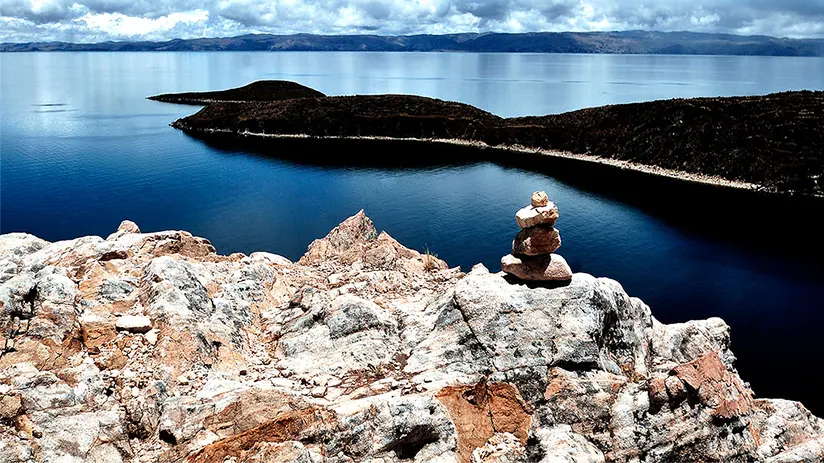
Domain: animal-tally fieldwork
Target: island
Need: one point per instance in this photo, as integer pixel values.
(262, 90)
(771, 143)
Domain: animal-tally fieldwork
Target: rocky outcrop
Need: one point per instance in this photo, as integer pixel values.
(151, 347)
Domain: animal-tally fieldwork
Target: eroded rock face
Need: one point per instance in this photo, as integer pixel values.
(151, 347)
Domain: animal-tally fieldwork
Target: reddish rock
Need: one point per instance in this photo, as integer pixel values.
(715, 386)
(96, 331)
(296, 425)
(10, 406)
(550, 267)
(657, 390)
(536, 241)
(479, 411)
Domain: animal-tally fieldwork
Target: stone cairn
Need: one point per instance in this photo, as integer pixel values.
(532, 257)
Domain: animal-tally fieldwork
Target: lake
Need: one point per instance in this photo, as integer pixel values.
(82, 149)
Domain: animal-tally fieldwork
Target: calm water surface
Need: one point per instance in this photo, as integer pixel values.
(82, 150)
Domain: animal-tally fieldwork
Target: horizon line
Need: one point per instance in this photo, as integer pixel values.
(413, 35)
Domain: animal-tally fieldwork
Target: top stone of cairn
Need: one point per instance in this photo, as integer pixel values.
(541, 212)
(540, 199)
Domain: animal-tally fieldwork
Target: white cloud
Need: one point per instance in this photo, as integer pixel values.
(118, 25)
(96, 20)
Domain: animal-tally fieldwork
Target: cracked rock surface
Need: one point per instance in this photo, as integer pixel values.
(147, 347)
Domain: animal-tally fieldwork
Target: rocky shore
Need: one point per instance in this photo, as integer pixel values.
(146, 347)
(769, 143)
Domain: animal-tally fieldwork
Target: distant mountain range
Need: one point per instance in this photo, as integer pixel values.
(628, 42)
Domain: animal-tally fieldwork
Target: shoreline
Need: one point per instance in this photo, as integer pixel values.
(537, 152)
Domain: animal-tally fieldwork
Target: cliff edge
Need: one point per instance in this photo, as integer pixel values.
(150, 347)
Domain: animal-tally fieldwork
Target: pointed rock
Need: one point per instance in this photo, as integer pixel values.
(346, 242)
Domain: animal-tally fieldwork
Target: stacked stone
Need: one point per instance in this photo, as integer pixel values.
(532, 257)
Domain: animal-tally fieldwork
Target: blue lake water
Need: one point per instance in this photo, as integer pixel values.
(82, 149)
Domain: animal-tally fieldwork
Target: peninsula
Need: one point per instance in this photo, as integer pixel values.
(771, 143)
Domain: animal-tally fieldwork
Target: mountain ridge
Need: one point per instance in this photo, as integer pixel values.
(622, 42)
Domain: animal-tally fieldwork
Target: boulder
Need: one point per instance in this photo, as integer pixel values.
(536, 241)
(550, 267)
(531, 216)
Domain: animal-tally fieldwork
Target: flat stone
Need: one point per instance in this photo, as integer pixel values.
(540, 199)
(551, 267)
(536, 241)
(134, 324)
(531, 216)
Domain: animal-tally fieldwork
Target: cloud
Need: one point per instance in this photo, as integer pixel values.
(96, 20)
(120, 25)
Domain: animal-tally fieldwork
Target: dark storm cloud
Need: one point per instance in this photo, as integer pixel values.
(78, 20)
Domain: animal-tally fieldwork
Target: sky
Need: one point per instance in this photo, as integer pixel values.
(101, 20)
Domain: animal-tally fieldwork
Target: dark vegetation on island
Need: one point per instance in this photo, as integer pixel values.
(629, 42)
(773, 141)
(262, 90)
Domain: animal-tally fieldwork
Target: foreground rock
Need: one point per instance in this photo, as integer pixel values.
(363, 351)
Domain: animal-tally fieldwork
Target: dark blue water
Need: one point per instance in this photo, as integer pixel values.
(82, 150)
